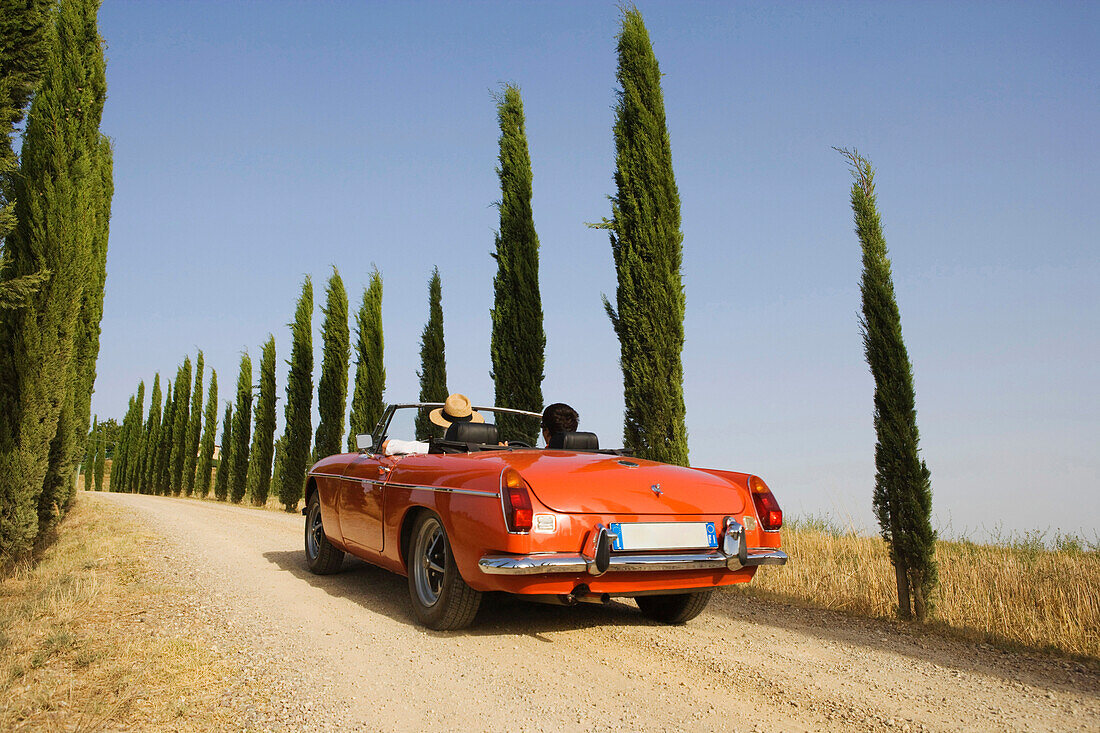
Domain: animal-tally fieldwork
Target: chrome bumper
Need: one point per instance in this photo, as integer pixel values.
(598, 559)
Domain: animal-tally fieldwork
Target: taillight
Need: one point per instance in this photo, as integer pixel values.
(516, 497)
(767, 508)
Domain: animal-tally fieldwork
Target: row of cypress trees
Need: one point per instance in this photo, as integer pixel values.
(171, 450)
(54, 221)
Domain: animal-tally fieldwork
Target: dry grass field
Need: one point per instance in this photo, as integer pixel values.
(86, 638)
(1022, 591)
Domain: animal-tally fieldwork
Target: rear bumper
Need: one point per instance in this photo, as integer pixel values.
(546, 563)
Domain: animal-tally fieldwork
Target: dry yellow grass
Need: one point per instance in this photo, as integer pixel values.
(1018, 592)
(85, 644)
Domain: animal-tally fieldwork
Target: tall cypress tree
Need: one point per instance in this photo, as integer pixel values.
(242, 432)
(54, 225)
(209, 435)
(647, 245)
(91, 447)
(370, 372)
(58, 486)
(332, 387)
(121, 468)
(221, 477)
(92, 220)
(133, 449)
(164, 443)
(118, 464)
(23, 46)
(263, 438)
(518, 343)
(194, 428)
(299, 401)
(181, 422)
(100, 457)
(145, 475)
(903, 488)
(433, 360)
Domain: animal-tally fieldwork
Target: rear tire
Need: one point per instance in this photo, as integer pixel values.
(674, 609)
(440, 597)
(321, 556)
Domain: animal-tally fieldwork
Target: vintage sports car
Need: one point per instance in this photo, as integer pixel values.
(566, 524)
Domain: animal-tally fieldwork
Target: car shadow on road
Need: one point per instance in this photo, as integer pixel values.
(910, 640)
(501, 614)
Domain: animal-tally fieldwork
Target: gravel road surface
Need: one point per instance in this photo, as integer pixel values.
(346, 654)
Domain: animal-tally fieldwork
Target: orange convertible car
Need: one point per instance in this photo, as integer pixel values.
(569, 523)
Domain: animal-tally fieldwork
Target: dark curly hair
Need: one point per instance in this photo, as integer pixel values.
(560, 418)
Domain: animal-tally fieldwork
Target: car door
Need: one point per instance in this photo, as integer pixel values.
(360, 502)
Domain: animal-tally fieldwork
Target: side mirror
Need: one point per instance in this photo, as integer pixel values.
(364, 442)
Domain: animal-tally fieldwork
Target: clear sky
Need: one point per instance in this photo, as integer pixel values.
(258, 142)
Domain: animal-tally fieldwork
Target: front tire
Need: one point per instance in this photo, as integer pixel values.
(440, 597)
(321, 556)
(674, 609)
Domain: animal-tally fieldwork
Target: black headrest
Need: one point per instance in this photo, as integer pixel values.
(574, 441)
(472, 432)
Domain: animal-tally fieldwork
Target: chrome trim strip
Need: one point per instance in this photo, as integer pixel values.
(438, 489)
(554, 562)
(336, 476)
(443, 489)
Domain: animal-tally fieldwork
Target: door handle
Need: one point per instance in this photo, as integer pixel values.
(383, 469)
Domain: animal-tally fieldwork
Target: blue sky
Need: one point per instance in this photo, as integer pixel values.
(258, 142)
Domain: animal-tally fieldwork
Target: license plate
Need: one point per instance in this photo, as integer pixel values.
(663, 535)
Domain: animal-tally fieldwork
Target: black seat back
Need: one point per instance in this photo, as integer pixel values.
(574, 441)
(472, 432)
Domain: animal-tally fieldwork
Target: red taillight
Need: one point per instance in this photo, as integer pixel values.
(518, 512)
(767, 508)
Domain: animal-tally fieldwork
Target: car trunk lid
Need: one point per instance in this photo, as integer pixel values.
(588, 483)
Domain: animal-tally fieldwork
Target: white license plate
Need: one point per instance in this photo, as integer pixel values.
(663, 535)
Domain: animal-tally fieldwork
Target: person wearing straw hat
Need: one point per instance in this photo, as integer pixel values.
(457, 408)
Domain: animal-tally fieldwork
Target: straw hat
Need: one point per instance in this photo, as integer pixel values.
(457, 408)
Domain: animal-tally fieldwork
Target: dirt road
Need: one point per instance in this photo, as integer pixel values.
(349, 644)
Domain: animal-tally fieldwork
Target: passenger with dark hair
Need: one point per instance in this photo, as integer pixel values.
(558, 418)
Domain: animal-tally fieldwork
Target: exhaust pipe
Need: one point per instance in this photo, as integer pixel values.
(583, 595)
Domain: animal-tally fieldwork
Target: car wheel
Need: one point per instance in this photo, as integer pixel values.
(440, 597)
(321, 556)
(674, 609)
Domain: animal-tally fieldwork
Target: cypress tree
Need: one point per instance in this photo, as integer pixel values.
(221, 478)
(23, 35)
(263, 438)
(181, 422)
(53, 211)
(299, 402)
(433, 360)
(647, 246)
(120, 467)
(133, 449)
(370, 372)
(89, 456)
(194, 428)
(209, 434)
(332, 387)
(164, 443)
(518, 343)
(118, 462)
(90, 449)
(100, 457)
(145, 475)
(903, 490)
(242, 432)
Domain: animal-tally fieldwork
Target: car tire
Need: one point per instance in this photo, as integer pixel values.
(674, 609)
(440, 597)
(322, 557)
